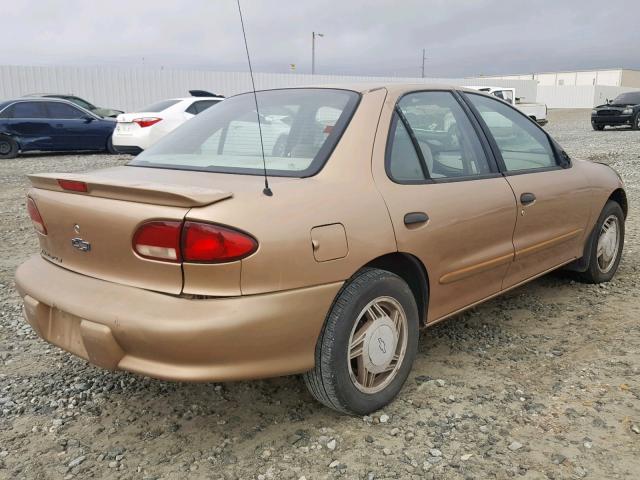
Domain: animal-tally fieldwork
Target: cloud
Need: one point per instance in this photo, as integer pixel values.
(371, 37)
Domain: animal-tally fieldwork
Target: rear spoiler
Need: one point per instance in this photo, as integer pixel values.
(203, 93)
(134, 191)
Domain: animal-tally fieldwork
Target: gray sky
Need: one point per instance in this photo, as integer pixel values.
(371, 37)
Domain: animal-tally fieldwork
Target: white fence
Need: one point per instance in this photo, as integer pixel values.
(578, 96)
(133, 88)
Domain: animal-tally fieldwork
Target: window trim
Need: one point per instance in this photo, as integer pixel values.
(477, 128)
(494, 145)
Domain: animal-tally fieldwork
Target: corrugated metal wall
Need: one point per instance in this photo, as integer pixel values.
(133, 88)
(578, 96)
(571, 96)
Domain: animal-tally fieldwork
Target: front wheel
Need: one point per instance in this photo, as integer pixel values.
(606, 252)
(597, 127)
(367, 345)
(636, 122)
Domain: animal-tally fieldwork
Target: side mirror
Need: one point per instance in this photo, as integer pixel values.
(88, 119)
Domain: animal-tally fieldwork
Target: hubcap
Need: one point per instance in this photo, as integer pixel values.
(377, 344)
(5, 148)
(608, 244)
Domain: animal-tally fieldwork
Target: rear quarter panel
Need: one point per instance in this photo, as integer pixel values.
(603, 181)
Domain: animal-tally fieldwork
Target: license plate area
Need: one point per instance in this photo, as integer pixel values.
(124, 128)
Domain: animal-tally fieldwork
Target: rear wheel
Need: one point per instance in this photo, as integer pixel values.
(607, 245)
(367, 345)
(8, 147)
(597, 127)
(110, 148)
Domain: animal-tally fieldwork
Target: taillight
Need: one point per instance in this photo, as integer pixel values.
(73, 185)
(192, 242)
(158, 241)
(206, 243)
(146, 121)
(36, 218)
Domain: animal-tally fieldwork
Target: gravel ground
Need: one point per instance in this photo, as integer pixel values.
(539, 383)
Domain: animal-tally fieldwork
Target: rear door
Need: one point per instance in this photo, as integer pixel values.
(74, 129)
(27, 122)
(553, 199)
(449, 205)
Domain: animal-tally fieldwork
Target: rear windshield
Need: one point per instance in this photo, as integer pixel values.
(300, 128)
(630, 98)
(159, 106)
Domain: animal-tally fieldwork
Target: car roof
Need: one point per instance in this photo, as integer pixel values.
(50, 95)
(28, 98)
(478, 87)
(391, 87)
(46, 99)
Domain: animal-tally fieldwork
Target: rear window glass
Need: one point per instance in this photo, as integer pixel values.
(300, 128)
(159, 106)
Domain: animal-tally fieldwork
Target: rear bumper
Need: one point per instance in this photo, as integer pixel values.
(133, 143)
(130, 150)
(612, 119)
(120, 327)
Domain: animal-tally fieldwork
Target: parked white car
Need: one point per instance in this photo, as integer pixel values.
(137, 131)
(537, 111)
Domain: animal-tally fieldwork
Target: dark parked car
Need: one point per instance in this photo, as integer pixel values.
(623, 110)
(48, 124)
(81, 102)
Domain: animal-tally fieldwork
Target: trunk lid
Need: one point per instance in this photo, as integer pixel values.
(91, 233)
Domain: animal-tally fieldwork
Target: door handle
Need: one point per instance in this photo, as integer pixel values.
(527, 198)
(414, 218)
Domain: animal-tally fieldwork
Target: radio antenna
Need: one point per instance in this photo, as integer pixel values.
(267, 191)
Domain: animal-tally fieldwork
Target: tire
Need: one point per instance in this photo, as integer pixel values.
(110, 148)
(8, 147)
(597, 127)
(334, 379)
(596, 271)
(636, 122)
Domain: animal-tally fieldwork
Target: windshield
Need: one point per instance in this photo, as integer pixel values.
(300, 128)
(629, 98)
(159, 106)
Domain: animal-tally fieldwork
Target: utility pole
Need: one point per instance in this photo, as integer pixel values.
(424, 52)
(313, 50)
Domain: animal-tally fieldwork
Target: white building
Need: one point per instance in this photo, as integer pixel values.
(580, 89)
(621, 77)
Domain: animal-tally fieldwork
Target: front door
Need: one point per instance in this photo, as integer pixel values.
(448, 204)
(553, 199)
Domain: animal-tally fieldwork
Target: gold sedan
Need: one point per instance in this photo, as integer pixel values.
(388, 208)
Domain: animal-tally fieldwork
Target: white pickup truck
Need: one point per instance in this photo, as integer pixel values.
(537, 111)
